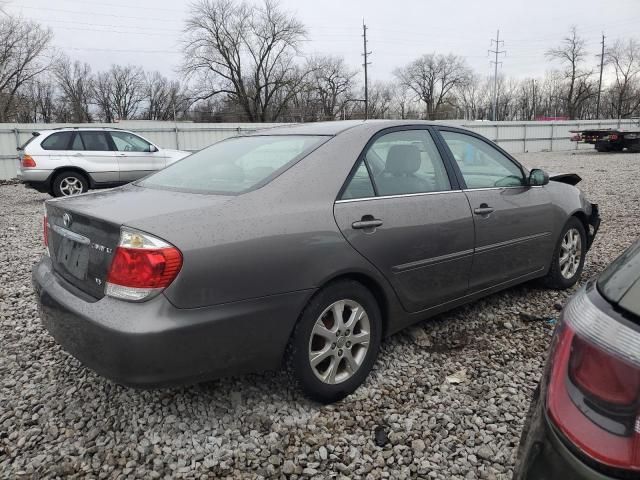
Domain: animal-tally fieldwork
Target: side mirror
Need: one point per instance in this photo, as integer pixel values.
(153, 148)
(538, 177)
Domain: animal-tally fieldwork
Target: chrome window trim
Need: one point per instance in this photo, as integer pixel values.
(384, 197)
(500, 188)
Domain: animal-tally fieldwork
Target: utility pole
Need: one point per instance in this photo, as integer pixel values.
(600, 82)
(365, 64)
(495, 62)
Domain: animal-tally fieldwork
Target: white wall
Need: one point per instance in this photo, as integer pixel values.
(514, 137)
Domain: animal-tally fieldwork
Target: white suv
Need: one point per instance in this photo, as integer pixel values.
(69, 161)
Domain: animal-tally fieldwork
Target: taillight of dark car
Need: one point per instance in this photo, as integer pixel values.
(593, 396)
(28, 162)
(142, 266)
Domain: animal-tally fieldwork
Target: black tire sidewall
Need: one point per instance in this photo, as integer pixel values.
(299, 354)
(555, 277)
(55, 188)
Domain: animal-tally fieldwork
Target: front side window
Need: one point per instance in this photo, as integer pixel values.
(406, 162)
(481, 165)
(95, 141)
(57, 141)
(128, 142)
(235, 165)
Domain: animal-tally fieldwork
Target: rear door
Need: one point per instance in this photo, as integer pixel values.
(512, 220)
(402, 209)
(93, 153)
(135, 157)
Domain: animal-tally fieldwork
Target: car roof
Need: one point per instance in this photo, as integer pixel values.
(336, 127)
(73, 129)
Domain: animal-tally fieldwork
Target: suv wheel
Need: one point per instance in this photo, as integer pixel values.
(336, 341)
(67, 184)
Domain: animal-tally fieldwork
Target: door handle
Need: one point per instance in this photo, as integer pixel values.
(483, 209)
(367, 221)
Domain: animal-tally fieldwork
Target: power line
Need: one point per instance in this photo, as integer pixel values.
(365, 65)
(495, 62)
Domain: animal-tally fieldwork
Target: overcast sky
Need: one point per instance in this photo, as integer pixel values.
(148, 32)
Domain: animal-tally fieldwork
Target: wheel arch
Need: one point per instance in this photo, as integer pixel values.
(374, 286)
(58, 170)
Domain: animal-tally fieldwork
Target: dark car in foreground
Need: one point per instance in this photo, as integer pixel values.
(584, 420)
(307, 243)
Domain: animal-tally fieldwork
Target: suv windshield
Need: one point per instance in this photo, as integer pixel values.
(235, 165)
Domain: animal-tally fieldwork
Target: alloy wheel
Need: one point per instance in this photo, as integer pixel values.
(570, 253)
(339, 341)
(70, 186)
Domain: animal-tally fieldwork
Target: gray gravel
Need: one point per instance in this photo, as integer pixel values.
(446, 399)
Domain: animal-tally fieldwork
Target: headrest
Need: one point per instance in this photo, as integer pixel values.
(403, 159)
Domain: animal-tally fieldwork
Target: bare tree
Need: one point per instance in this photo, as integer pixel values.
(332, 82)
(23, 56)
(624, 56)
(119, 91)
(75, 81)
(433, 78)
(245, 52)
(579, 87)
(166, 98)
(474, 97)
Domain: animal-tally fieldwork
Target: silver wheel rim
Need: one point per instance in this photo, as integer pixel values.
(570, 253)
(70, 186)
(339, 341)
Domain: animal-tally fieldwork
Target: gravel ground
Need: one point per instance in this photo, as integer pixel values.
(58, 419)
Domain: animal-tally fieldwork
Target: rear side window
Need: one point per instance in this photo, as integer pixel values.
(57, 141)
(95, 141)
(406, 162)
(360, 185)
(77, 143)
(235, 165)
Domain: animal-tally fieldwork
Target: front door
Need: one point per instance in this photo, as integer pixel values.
(135, 157)
(512, 220)
(402, 210)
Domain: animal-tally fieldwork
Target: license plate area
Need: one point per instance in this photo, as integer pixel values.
(73, 257)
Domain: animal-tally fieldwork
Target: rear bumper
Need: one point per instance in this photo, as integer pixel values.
(155, 344)
(546, 457)
(36, 179)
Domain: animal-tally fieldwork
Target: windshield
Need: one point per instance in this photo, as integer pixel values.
(235, 165)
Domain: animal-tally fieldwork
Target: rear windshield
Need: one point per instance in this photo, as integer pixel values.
(235, 165)
(620, 281)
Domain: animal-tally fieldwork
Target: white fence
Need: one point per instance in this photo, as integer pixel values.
(515, 137)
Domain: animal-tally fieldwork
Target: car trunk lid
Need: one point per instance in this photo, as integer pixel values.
(81, 247)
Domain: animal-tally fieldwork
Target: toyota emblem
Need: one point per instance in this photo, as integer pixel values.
(66, 220)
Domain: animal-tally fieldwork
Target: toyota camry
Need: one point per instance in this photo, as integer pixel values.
(302, 245)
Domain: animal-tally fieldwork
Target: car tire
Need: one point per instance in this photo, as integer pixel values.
(342, 358)
(69, 183)
(602, 147)
(566, 265)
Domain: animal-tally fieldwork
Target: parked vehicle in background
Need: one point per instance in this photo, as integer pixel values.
(584, 420)
(608, 139)
(321, 236)
(70, 161)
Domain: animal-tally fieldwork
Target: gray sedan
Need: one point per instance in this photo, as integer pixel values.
(305, 243)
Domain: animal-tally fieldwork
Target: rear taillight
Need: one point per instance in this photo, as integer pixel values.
(142, 266)
(594, 387)
(28, 161)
